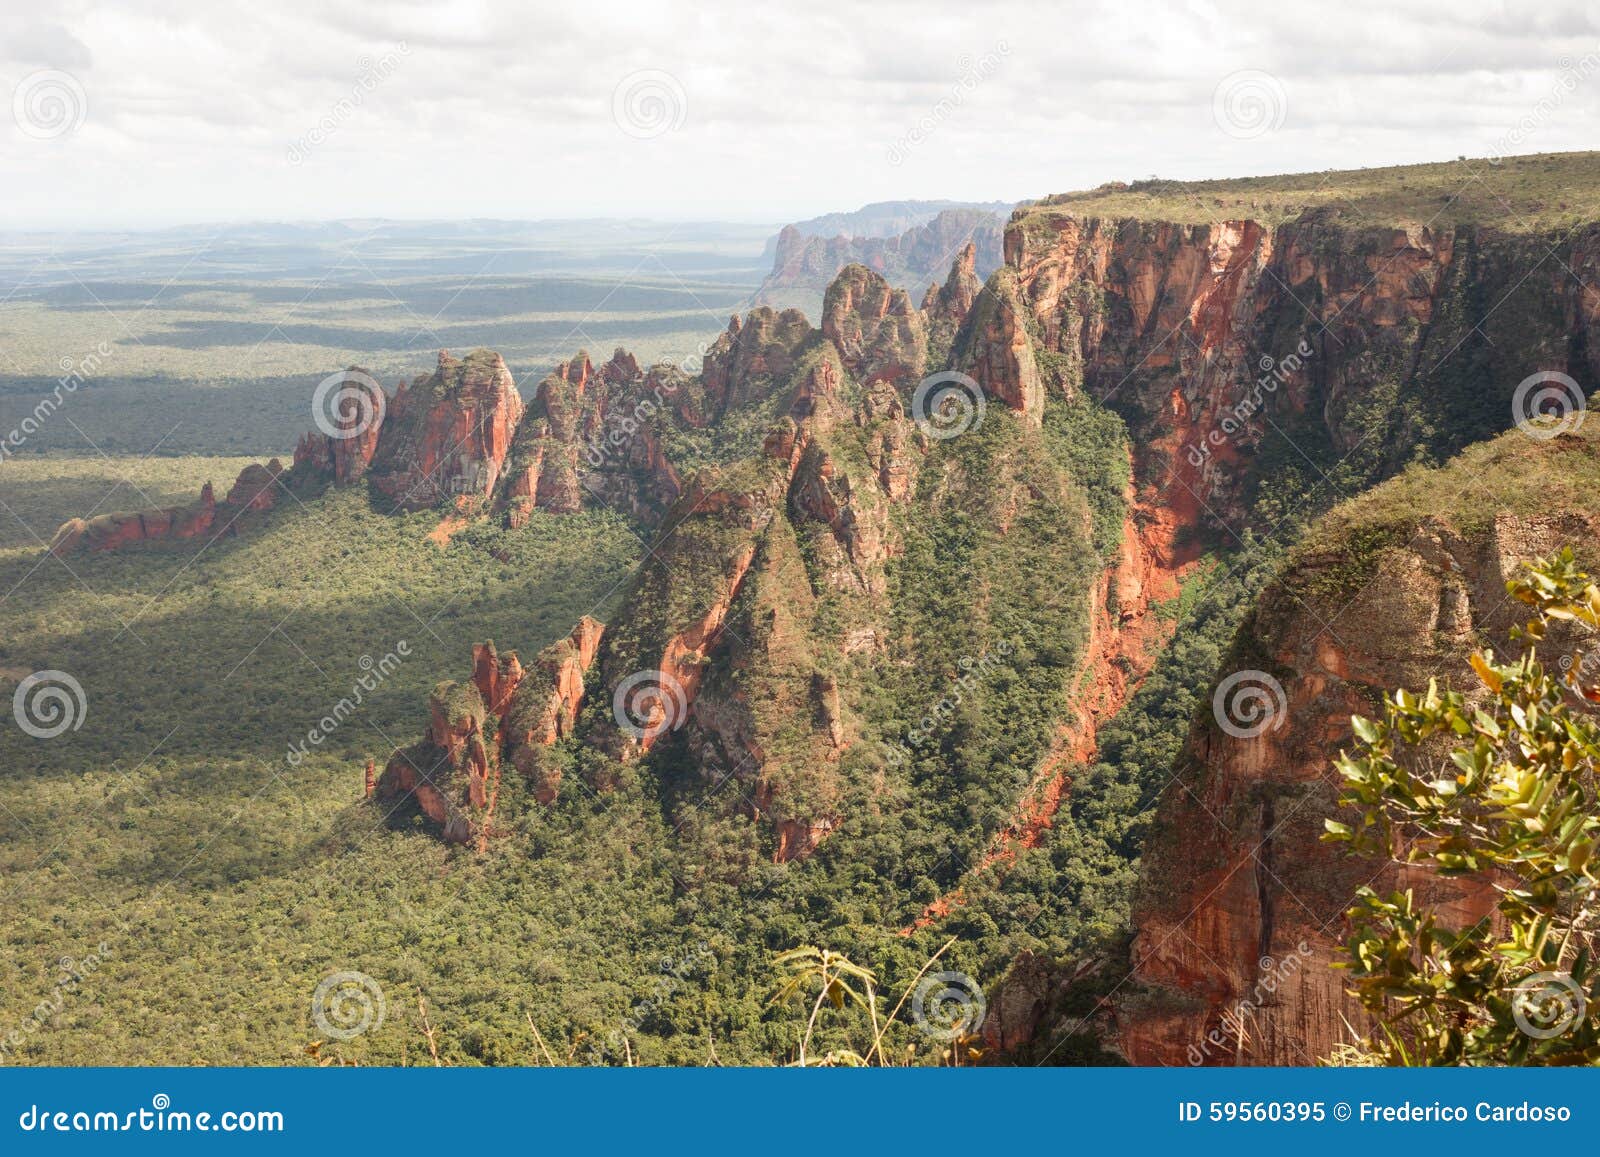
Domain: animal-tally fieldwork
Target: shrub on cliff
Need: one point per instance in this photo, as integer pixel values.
(1514, 803)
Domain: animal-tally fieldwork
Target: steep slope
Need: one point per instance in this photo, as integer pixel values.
(1309, 339)
(753, 646)
(446, 436)
(1241, 912)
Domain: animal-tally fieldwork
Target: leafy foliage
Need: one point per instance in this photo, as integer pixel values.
(1512, 805)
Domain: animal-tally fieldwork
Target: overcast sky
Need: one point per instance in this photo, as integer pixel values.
(155, 112)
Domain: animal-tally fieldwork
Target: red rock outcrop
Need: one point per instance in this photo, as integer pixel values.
(753, 358)
(593, 437)
(946, 306)
(878, 334)
(448, 772)
(453, 774)
(994, 348)
(256, 489)
(495, 676)
(543, 708)
(356, 409)
(448, 435)
(1242, 911)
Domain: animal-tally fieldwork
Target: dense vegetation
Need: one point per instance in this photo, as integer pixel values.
(638, 918)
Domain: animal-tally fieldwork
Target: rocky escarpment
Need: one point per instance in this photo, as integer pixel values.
(256, 489)
(1241, 352)
(504, 714)
(805, 265)
(1266, 368)
(1242, 910)
(757, 628)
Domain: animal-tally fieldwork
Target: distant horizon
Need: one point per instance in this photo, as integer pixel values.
(770, 221)
(149, 114)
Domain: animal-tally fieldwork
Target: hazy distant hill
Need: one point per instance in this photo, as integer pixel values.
(804, 262)
(882, 219)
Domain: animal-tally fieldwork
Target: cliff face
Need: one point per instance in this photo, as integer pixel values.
(1241, 913)
(1365, 339)
(446, 436)
(804, 265)
(1238, 353)
(593, 437)
(255, 489)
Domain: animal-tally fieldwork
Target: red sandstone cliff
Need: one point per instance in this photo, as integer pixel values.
(256, 489)
(446, 436)
(1241, 896)
(1212, 341)
(1206, 337)
(454, 772)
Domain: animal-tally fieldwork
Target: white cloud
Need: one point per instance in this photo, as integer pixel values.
(502, 109)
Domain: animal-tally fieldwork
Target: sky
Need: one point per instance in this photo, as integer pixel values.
(148, 113)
